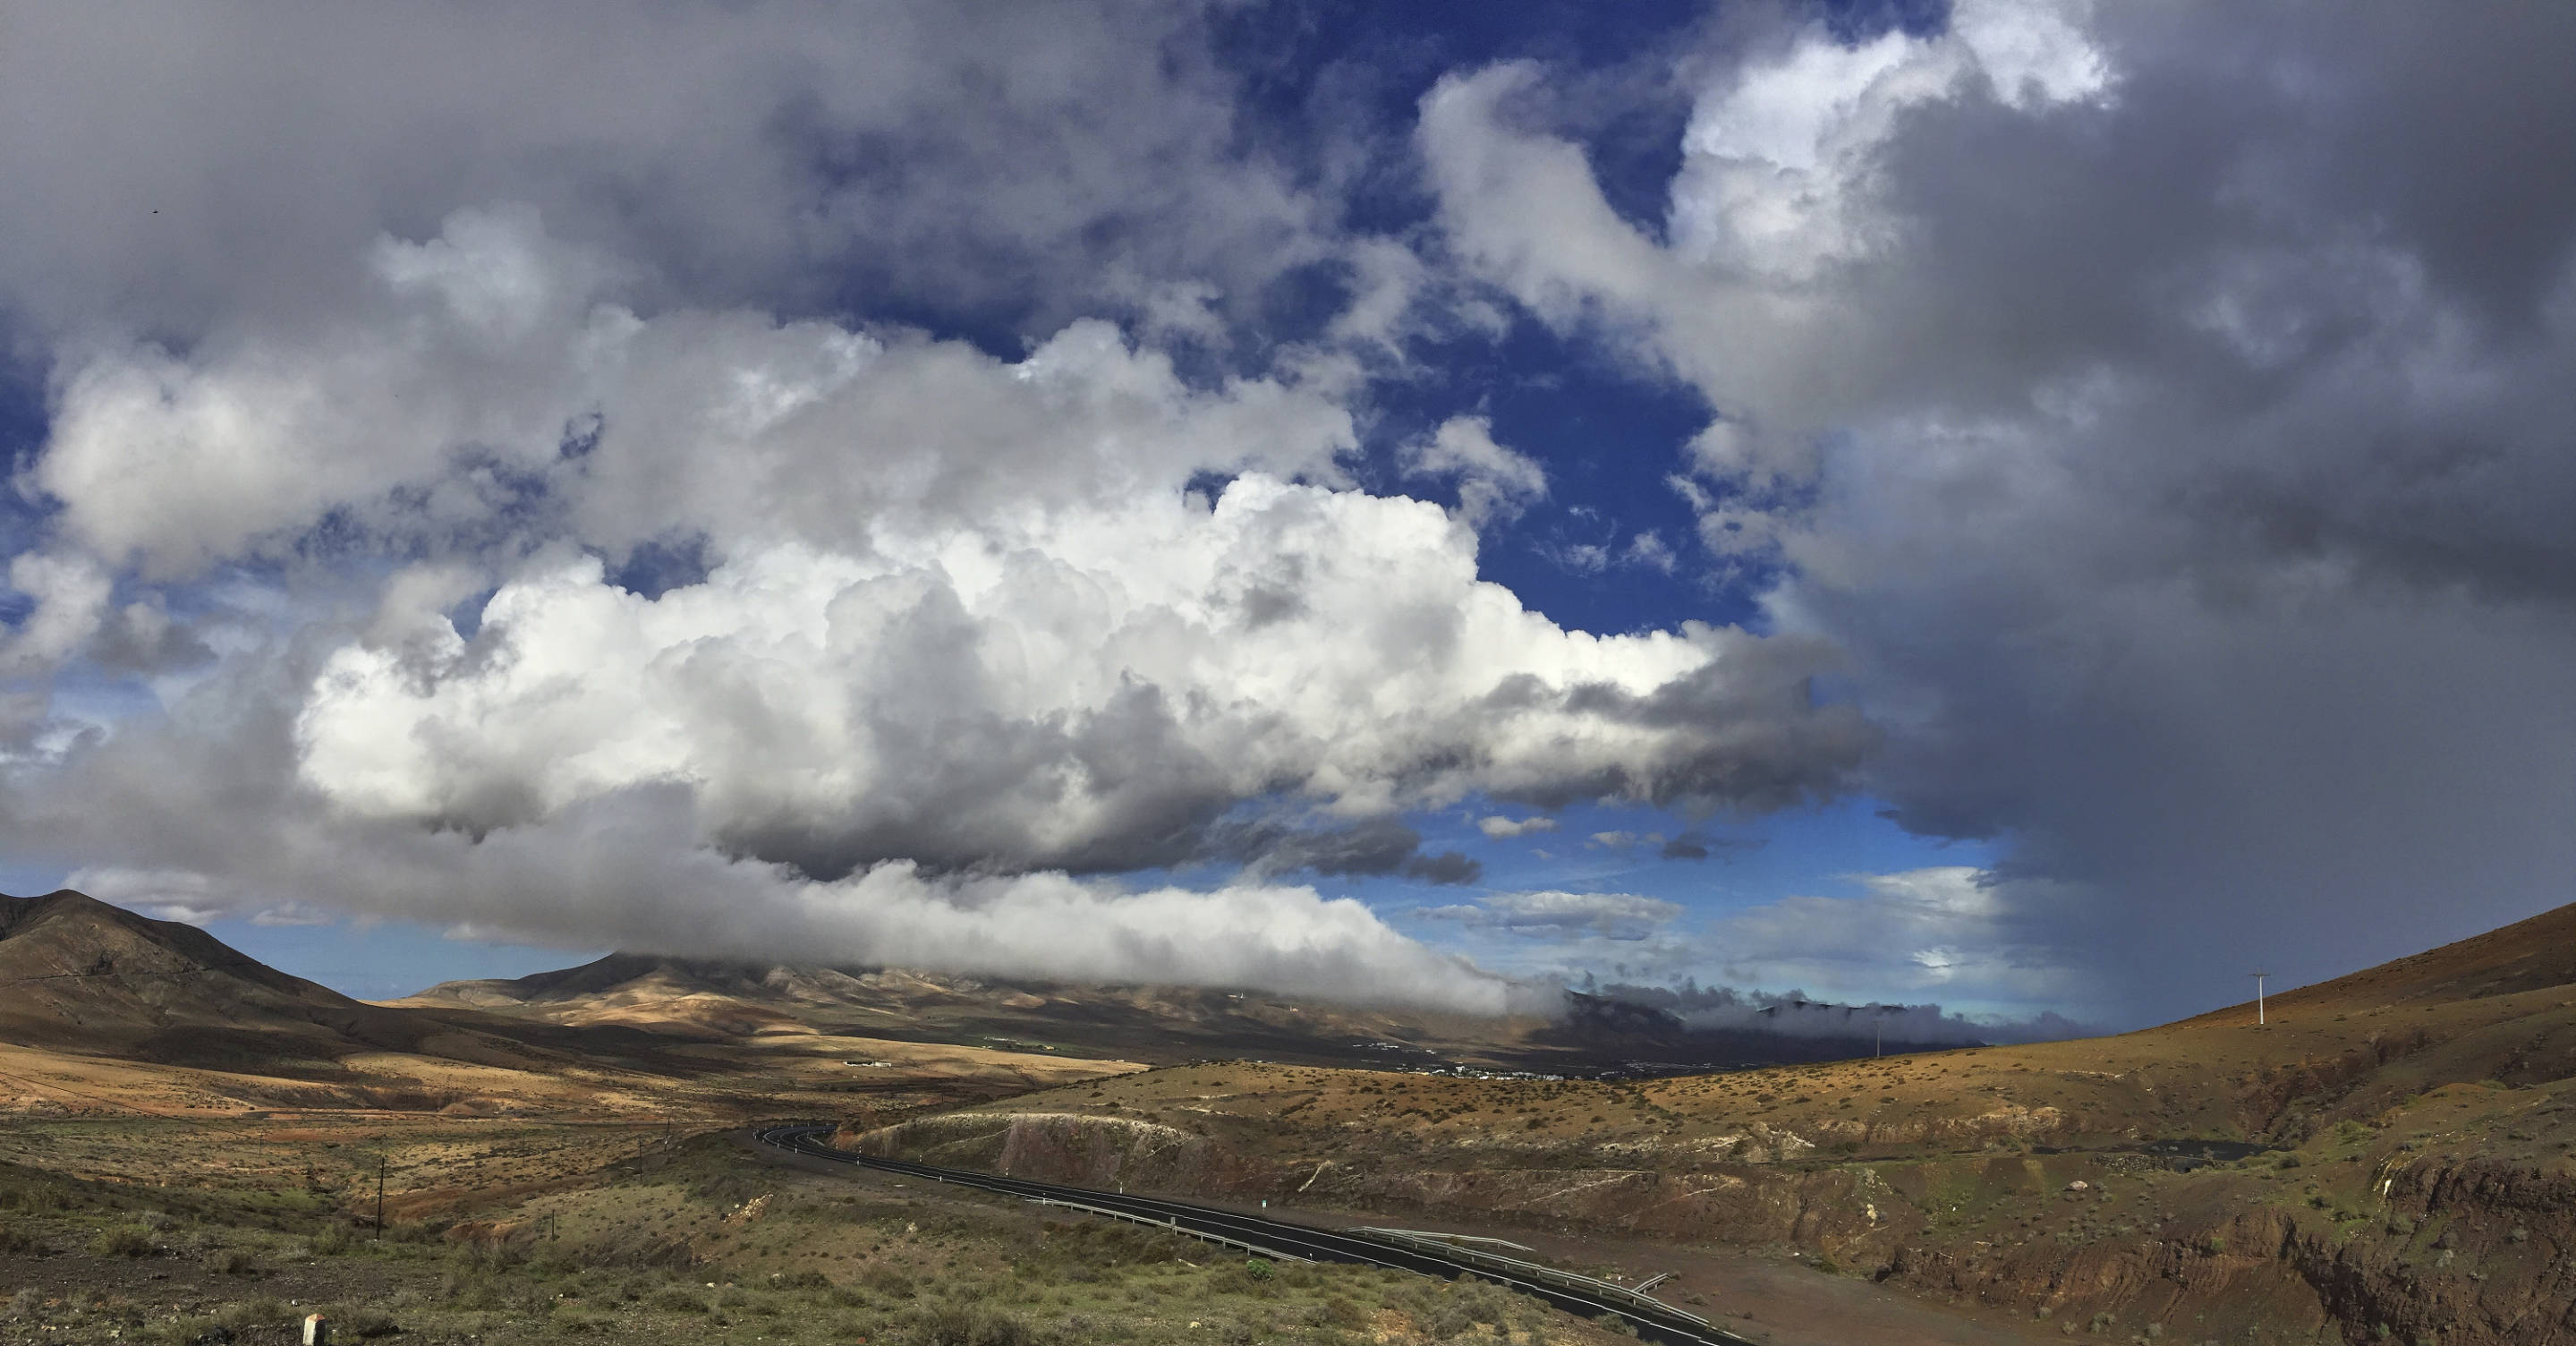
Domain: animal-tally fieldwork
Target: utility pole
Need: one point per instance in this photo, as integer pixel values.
(380, 1198)
(2258, 996)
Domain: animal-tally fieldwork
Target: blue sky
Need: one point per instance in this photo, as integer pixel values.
(1941, 503)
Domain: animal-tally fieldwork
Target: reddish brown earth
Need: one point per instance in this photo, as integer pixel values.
(2415, 1183)
(105, 1012)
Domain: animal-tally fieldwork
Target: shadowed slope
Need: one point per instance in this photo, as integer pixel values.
(79, 974)
(1166, 1024)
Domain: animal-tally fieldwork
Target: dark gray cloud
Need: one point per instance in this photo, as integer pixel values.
(385, 341)
(2166, 408)
(202, 813)
(1686, 847)
(2158, 417)
(176, 166)
(1796, 1014)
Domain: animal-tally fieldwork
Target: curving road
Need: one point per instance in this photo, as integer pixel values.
(1653, 1320)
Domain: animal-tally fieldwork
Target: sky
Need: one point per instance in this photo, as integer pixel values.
(2032, 507)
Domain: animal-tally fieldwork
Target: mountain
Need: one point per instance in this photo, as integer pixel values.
(102, 1007)
(713, 998)
(1163, 1024)
(79, 974)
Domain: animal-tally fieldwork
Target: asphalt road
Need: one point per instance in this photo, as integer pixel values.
(1280, 1238)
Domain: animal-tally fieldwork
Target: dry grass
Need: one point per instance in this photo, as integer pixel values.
(690, 1239)
(2433, 1098)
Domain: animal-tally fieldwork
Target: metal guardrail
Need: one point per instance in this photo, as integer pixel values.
(1396, 1249)
(1448, 1238)
(1546, 1275)
(1168, 1225)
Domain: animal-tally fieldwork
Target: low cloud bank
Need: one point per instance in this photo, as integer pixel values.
(1794, 1014)
(622, 868)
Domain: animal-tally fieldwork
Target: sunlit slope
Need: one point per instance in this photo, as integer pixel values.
(2497, 1007)
(2392, 1156)
(1139, 1022)
(103, 1010)
(79, 974)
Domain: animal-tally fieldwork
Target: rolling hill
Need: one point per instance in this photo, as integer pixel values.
(1590, 1035)
(2391, 1156)
(79, 974)
(102, 1009)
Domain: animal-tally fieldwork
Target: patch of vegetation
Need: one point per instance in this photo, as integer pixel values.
(706, 1244)
(124, 1240)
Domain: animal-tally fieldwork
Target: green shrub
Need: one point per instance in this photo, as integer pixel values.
(1258, 1268)
(887, 1281)
(231, 1262)
(675, 1299)
(125, 1240)
(578, 1322)
(265, 1311)
(362, 1323)
(965, 1325)
(19, 1242)
(34, 1196)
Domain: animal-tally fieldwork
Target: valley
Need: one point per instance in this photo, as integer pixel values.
(2395, 1148)
(2392, 1149)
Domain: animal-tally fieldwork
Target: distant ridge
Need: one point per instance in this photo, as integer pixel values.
(713, 998)
(81, 974)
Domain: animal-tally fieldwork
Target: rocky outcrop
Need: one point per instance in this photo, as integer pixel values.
(2464, 1254)
(2468, 1253)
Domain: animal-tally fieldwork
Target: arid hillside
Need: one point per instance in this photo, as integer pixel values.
(104, 1011)
(1166, 1025)
(76, 972)
(2392, 1148)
